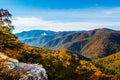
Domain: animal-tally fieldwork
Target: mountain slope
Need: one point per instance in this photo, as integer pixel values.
(93, 44)
(103, 43)
(111, 62)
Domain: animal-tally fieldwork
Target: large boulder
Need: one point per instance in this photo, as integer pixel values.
(23, 70)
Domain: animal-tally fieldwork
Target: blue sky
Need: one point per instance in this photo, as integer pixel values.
(63, 15)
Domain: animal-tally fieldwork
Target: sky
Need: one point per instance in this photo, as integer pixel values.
(63, 15)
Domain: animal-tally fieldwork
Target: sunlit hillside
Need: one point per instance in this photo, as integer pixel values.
(111, 62)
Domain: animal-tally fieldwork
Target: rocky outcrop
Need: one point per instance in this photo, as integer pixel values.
(23, 70)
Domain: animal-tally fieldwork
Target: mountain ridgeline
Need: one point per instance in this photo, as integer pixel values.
(96, 43)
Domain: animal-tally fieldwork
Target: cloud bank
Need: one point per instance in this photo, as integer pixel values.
(71, 19)
(25, 24)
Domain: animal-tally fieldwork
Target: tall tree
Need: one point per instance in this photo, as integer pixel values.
(5, 19)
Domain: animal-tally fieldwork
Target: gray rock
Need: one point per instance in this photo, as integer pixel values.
(24, 70)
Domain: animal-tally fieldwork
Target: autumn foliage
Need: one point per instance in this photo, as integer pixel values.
(60, 65)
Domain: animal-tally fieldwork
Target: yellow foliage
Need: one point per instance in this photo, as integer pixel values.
(98, 73)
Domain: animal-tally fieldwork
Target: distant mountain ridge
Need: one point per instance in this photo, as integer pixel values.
(96, 43)
(40, 37)
(36, 37)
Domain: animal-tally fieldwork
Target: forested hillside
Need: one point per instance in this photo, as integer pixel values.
(60, 65)
(111, 62)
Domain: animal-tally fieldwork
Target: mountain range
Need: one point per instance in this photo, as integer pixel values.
(21, 61)
(93, 44)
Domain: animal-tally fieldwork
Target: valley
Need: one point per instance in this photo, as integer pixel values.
(79, 42)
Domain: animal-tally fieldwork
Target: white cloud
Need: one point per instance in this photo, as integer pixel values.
(25, 24)
(71, 19)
